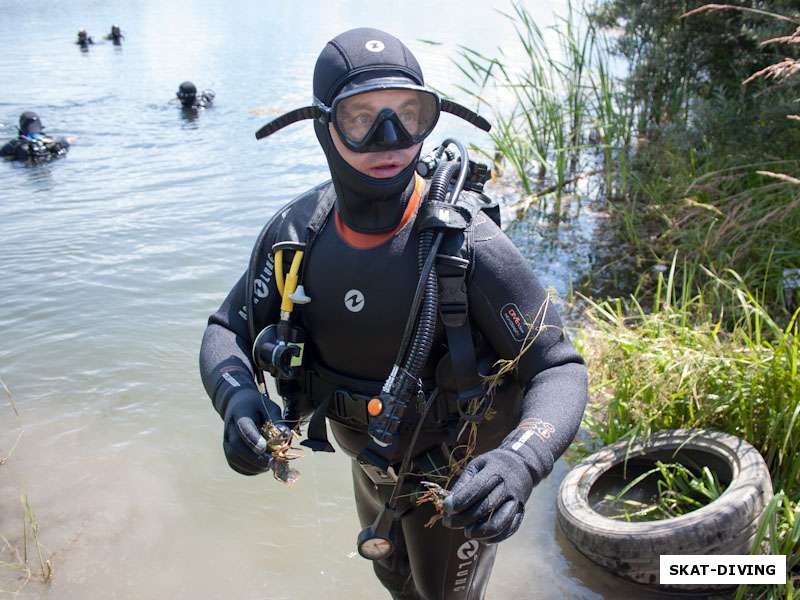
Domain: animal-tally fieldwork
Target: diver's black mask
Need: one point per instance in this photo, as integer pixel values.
(367, 124)
(352, 66)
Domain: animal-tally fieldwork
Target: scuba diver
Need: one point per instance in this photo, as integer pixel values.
(115, 35)
(83, 39)
(32, 144)
(187, 95)
(407, 321)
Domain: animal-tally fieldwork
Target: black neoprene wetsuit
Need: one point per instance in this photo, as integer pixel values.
(358, 334)
(24, 149)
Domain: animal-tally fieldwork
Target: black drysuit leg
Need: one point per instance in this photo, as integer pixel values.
(433, 563)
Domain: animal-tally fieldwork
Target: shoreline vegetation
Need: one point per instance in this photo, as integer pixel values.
(682, 118)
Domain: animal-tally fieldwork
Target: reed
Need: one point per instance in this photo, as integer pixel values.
(10, 396)
(565, 103)
(779, 534)
(22, 560)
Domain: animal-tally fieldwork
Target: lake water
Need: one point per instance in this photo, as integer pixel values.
(112, 259)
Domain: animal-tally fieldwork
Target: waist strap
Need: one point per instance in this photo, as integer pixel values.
(344, 399)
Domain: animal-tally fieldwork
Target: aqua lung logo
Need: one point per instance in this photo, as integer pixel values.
(260, 289)
(467, 550)
(354, 301)
(374, 46)
(467, 555)
(261, 284)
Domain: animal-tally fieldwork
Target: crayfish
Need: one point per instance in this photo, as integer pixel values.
(280, 445)
(435, 494)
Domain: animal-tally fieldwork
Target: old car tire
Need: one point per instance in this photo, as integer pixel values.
(632, 549)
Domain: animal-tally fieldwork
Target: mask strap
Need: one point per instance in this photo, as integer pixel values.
(454, 108)
(299, 114)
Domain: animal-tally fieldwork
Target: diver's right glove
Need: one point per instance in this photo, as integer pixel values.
(245, 447)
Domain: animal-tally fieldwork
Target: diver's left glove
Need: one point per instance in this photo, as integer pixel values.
(488, 500)
(245, 447)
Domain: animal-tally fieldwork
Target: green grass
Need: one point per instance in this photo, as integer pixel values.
(778, 534)
(706, 187)
(680, 489)
(744, 217)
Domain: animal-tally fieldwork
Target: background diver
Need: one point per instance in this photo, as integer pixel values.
(32, 144)
(115, 35)
(187, 95)
(83, 39)
(359, 247)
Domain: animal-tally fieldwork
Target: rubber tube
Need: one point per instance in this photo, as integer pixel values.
(420, 347)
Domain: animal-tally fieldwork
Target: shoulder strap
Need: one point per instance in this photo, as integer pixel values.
(454, 312)
(293, 227)
(302, 227)
(453, 268)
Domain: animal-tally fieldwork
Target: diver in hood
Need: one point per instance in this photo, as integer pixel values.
(329, 329)
(190, 100)
(32, 143)
(115, 35)
(84, 39)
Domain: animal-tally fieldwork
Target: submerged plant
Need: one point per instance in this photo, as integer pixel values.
(22, 561)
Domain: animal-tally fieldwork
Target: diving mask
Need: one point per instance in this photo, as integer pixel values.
(388, 114)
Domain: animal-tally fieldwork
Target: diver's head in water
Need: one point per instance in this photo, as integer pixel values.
(371, 114)
(30, 123)
(187, 93)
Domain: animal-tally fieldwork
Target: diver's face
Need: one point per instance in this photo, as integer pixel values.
(384, 164)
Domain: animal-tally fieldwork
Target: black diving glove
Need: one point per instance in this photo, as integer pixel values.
(245, 447)
(488, 500)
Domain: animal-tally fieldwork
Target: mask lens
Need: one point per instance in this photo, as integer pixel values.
(417, 111)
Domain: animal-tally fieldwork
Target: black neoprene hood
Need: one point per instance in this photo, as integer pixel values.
(29, 122)
(360, 57)
(187, 88)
